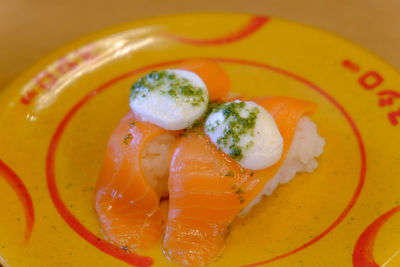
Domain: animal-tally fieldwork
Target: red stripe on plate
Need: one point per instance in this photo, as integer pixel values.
(20, 189)
(251, 27)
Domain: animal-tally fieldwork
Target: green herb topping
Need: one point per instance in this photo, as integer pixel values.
(199, 123)
(128, 138)
(168, 83)
(239, 120)
(230, 173)
(240, 191)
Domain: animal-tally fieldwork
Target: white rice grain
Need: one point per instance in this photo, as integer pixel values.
(155, 162)
(305, 147)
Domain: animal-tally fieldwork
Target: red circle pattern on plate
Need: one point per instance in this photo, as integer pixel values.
(19, 187)
(134, 259)
(363, 255)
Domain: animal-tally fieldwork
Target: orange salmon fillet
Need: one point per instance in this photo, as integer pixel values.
(207, 190)
(127, 206)
(212, 74)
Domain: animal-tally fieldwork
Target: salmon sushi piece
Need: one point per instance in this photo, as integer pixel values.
(132, 181)
(134, 175)
(208, 190)
(305, 144)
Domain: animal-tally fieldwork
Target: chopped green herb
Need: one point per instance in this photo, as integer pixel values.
(230, 173)
(240, 191)
(249, 144)
(236, 152)
(200, 122)
(128, 138)
(171, 76)
(172, 93)
(132, 124)
(196, 124)
(241, 199)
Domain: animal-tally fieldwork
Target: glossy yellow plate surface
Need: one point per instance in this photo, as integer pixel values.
(56, 118)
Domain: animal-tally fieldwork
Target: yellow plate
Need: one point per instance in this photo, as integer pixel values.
(56, 118)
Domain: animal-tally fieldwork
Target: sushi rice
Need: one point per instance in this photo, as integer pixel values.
(155, 162)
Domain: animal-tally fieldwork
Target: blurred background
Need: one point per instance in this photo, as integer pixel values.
(29, 29)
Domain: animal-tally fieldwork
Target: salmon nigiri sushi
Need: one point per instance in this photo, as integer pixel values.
(208, 190)
(133, 179)
(212, 157)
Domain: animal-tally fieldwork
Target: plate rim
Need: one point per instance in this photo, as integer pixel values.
(65, 48)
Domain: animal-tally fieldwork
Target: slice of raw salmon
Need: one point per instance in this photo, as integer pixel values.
(127, 206)
(212, 74)
(207, 189)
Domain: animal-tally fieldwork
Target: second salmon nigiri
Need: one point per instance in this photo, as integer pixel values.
(207, 190)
